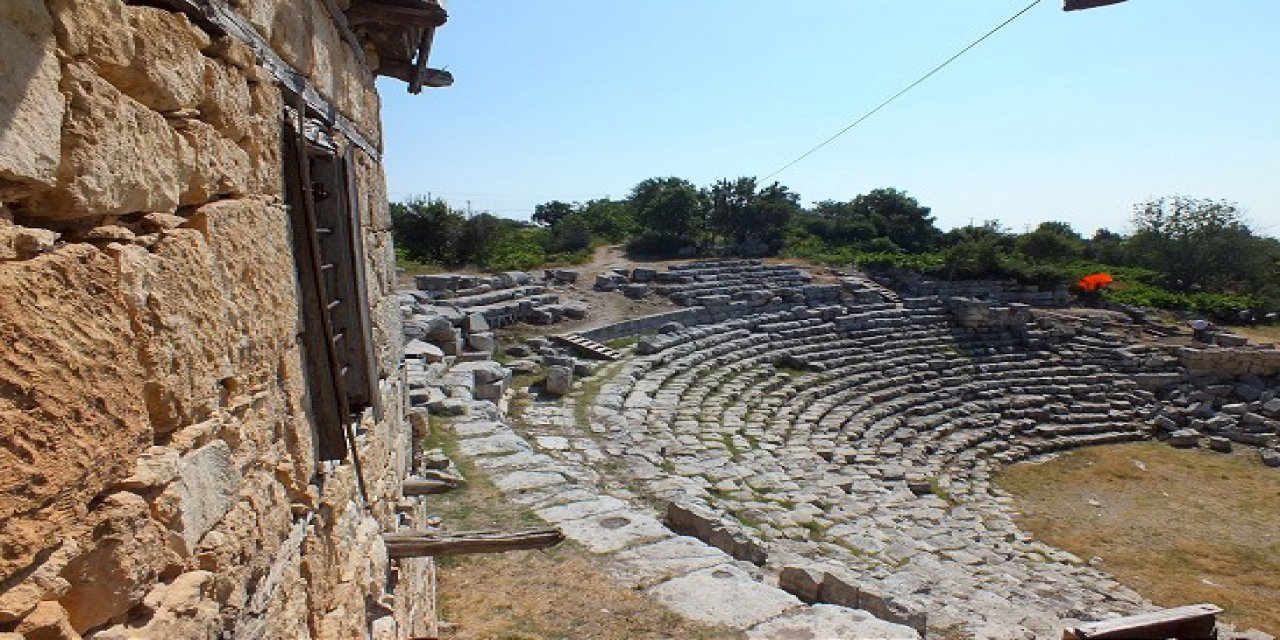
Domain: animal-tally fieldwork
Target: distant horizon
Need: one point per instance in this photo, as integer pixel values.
(1060, 117)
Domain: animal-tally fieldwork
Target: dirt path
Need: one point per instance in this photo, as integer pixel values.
(603, 308)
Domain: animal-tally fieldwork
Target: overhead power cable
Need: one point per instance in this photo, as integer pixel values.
(899, 94)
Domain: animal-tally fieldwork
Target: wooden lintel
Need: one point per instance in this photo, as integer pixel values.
(416, 544)
(429, 486)
(426, 15)
(404, 71)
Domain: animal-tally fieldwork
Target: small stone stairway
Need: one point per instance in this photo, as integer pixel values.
(589, 346)
(866, 282)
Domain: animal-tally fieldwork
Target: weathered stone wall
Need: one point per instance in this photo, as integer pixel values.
(157, 472)
(1231, 361)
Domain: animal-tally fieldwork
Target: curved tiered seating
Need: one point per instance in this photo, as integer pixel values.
(868, 433)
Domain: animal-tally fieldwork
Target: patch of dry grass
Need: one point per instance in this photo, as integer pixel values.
(1178, 526)
(545, 595)
(1259, 333)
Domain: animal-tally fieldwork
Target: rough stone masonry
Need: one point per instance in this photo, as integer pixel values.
(159, 474)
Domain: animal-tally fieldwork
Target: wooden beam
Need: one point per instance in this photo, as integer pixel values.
(417, 544)
(420, 64)
(217, 17)
(340, 20)
(424, 15)
(1079, 5)
(1195, 622)
(404, 71)
(429, 486)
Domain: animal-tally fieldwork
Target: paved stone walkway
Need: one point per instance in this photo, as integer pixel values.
(558, 477)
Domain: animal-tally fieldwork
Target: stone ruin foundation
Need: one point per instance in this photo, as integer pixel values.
(788, 457)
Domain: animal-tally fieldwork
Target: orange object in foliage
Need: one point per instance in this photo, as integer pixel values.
(1095, 281)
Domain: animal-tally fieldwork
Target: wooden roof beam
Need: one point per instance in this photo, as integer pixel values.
(421, 14)
(408, 72)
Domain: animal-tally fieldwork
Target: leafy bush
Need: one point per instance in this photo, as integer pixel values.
(656, 243)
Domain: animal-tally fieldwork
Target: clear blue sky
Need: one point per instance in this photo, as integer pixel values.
(1060, 116)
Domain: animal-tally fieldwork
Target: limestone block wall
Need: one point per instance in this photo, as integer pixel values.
(1231, 361)
(157, 467)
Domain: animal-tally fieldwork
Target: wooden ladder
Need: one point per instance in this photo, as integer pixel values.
(589, 346)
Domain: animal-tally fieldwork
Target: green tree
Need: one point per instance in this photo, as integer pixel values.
(427, 230)
(900, 218)
(551, 213)
(670, 213)
(571, 234)
(1107, 247)
(774, 208)
(608, 219)
(1051, 242)
(977, 252)
(1196, 243)
(739, 210)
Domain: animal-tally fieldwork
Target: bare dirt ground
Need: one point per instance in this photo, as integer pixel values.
(1180, 527)
(603, 308)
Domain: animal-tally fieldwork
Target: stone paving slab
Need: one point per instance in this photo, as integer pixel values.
(527, 480)
(829, 622)
(724, 594)
(579, 510)
(647, 565)
(613, 531)
(492, 445)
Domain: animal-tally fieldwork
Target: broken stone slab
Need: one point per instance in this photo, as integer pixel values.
(817, 585)
(609, 281)
(156, 467)
(1269, 457)
(830, 621)
(1264, 440)
(725, 595)
(559, 380)
(561, 275)
(1220, 444)
(423, 351)
(691, 520)
(475, 323)
(448, 407)
(436, 282)
(643, 274)
(1184, 438)
(489, 391)
(482, 341)
(484, 371)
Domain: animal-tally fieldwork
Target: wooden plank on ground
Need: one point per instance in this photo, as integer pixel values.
(1194, 622)
(416, 544)
(429, 486)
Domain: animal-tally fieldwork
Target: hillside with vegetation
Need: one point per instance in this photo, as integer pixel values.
(1179, 253)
